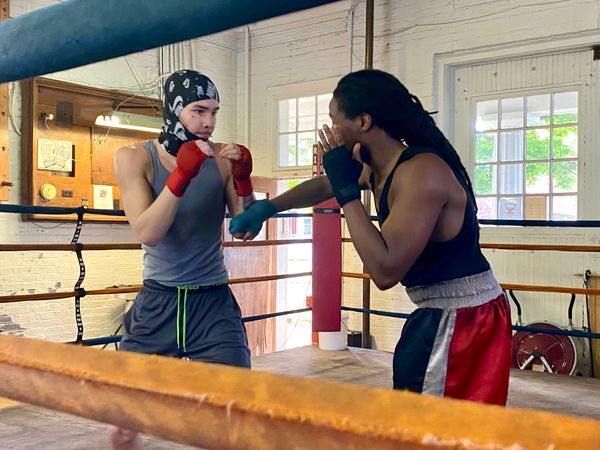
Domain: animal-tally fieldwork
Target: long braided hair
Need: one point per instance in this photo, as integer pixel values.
(399, 113)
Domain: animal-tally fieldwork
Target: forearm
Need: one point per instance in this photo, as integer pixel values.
(308, 193)
(151, 226)
(370, 246)
(237, 205)
(247, 201)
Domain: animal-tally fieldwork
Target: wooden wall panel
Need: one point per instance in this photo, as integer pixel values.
(94, 147)
(256, 298)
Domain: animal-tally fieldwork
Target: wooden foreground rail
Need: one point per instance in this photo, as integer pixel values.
(215, 406)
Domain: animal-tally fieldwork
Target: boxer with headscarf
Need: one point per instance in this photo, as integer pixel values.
(182, 89)
(174, 191)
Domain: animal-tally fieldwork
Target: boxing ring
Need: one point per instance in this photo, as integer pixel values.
(218, 406)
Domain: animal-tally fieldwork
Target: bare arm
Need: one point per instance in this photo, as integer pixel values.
(150, 219)
(313, 192)
(417, 196)
(308, 193)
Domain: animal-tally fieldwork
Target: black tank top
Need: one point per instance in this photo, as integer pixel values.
(440, 261)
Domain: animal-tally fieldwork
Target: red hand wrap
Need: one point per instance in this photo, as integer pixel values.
(241, 170)
(189, 160)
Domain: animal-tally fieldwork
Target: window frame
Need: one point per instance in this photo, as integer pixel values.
(551, 195)
(277, 94)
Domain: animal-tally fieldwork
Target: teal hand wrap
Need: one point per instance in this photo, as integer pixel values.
(251, 220)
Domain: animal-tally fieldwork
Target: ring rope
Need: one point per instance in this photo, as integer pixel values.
(26, 209)
(575, 333)
(135, 288)
(532, 247)
(116, 338)
(514, 287)
(136, 246)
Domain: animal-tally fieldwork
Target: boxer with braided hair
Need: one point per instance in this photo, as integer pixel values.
(457, 342)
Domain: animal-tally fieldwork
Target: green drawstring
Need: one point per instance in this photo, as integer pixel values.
(183, 334)
(178, 301)
(184, 316)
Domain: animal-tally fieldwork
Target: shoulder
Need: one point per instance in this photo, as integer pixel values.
(132, 158)
(426, 174)
(135, 151)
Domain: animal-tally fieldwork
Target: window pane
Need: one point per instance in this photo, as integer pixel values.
(287, 150)
(305, 148)
(322, 120)
(512, 112)
(564, 207)
(537, 144)
(564, 142)
(564, 176)
(510, 208)
(485, 147)
(538, 110)
(287, 115)
(306, 113)
(537, 178)
(487, 115)
(511, 146)
(485, 180)
(323, 104)
(537, 207)
(323, 110)
(486, 207)
(307, 227)
(511, 178)
(566, 107)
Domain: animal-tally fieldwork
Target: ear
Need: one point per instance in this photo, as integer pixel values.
(366, 122)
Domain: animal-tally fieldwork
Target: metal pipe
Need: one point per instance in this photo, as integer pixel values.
(369, 34)
(351, 37)
(247, 85)
(366, 285)
(76, 33)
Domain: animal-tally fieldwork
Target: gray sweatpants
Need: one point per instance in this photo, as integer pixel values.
(199, 323)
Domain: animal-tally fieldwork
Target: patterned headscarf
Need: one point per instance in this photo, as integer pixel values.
(182, 88)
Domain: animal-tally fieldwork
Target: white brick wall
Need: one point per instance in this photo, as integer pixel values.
(302, 47)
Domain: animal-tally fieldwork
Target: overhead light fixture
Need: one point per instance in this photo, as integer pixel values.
(128, 121)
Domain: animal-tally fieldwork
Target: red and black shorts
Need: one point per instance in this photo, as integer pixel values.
(457, 343)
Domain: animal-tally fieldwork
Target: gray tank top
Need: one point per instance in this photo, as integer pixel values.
(191, 252)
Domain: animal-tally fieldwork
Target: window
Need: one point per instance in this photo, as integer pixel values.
(526, 157)
(299, 120)
(293, 331)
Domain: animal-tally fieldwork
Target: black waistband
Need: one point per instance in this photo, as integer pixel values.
(156, 286)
